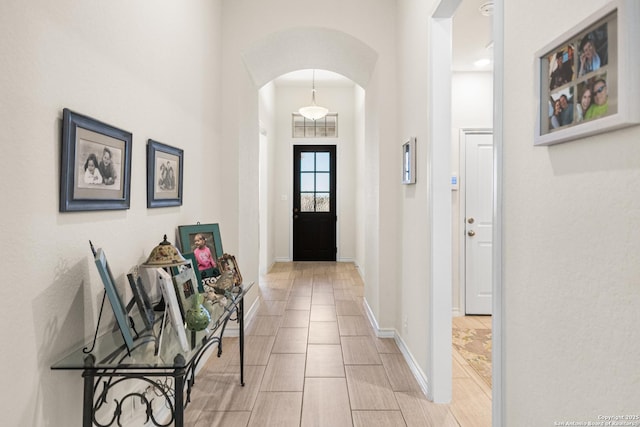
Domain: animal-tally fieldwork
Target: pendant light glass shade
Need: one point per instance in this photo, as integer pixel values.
(313, 111)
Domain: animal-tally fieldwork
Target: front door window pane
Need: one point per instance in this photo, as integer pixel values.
(306, 181)
(322, 202)
(307, 202)
(322, 181)
(307, 162)
(322, 162)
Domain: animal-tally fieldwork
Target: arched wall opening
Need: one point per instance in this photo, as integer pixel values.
(319, 48)
(246, 122)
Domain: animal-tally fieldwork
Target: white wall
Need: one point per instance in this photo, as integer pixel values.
(268, 172)
(414, 318)
(360, 166)
(149, 67)
(571, 244)
(339, 99)
(472, 108)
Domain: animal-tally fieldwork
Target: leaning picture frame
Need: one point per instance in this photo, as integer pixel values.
(211, 233)
(115, 299)
(586, 78)
(190, 256)
(228, 262)
(142, 300)
(95, 170)
(172, 307)
(185, 285)
(409, 161)
(164, 175)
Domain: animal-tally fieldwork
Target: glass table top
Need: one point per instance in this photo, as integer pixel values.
(156, 348)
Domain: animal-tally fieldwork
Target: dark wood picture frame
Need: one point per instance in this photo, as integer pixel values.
(91, 149)
(164, 175)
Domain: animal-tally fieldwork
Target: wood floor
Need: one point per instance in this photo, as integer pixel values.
(312, 359)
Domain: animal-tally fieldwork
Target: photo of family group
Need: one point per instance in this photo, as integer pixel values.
(166, 171)
(577, 74)
(164, 175)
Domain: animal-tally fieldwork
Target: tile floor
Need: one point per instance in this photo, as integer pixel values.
(312, 359)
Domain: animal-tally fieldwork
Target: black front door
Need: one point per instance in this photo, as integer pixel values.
(314, 203)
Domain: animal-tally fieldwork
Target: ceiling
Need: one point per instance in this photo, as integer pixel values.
(472, 40)
(472, 35)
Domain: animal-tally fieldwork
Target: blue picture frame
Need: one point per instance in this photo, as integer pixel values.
(164, 175)
(114, 298)
(84, 141)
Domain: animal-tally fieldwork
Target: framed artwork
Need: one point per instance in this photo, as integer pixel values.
(185, 285)
(164, 175)
(114, 298)
(172, 307)
(201, 236)
(95, 171)
(228, 263)
(587, 77)
(192, 258)
(142, 300)
(409, 161)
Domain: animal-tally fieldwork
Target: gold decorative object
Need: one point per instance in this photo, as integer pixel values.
(165, 255)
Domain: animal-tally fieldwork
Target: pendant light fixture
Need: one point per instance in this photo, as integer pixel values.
(313, 111)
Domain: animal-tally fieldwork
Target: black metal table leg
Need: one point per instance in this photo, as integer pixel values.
(241, 325)
(87, 406)
(179, 375)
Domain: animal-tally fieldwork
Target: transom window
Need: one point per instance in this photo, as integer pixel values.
(326, 127)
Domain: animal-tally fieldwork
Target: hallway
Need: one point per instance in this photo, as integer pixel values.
(312, 359)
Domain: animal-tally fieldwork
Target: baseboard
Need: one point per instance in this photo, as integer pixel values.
(380, 332)
(360, 270)
(417, 372)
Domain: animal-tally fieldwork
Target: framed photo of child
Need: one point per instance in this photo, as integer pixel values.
(95, 172)
(202, 242)
(164, 175)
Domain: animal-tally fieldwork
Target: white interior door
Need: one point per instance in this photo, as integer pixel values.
(478, 221)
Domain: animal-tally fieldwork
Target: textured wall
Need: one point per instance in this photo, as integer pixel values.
(571, 263)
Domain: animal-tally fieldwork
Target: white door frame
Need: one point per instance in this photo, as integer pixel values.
(440, 95)
(462, 226)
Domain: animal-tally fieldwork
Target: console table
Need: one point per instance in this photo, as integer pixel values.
(161, 368)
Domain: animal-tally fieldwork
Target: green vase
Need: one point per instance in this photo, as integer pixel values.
(197, 316)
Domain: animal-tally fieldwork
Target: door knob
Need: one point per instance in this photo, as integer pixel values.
(471, 233)
(471, 220)
(295, 217)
